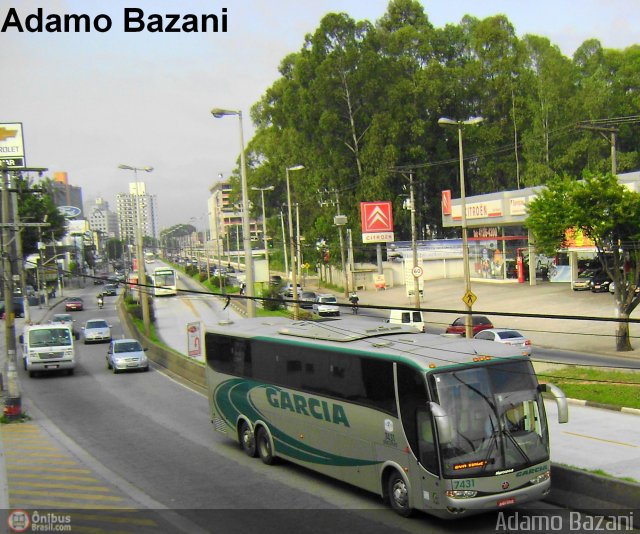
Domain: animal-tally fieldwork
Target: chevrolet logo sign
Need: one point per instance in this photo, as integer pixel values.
(5, 133)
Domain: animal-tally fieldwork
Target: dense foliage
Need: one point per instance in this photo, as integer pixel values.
(608, 214)
(361, 100)
(35, 205)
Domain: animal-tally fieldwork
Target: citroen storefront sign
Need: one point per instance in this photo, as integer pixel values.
(69, 212)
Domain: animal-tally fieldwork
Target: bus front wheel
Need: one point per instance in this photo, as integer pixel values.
(263, 443)
(247, 439)
(399, 494)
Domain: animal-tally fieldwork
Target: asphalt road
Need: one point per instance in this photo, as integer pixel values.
(150, 437)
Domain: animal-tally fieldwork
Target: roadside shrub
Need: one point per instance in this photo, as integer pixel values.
(275, 298)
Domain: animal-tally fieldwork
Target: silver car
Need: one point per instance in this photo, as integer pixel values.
(326, 304)
(96, 331)
(508, 337)
(125, 354)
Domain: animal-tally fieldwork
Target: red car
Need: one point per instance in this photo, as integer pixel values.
(74, 304)
(479, 322)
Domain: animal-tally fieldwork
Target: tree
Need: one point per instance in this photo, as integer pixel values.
(609, 215)
(35, 205)
(114, 249)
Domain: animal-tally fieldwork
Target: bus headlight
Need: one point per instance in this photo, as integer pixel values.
(461, 494)
(541, 477)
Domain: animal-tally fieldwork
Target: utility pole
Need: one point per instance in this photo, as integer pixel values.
(339, 220)
(9, 373)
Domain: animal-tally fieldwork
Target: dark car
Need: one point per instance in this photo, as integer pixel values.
(600, 282)
(583, 282)
(18, 307)
(74, 304)
(479, 323)
(306, 299)
(110, 290)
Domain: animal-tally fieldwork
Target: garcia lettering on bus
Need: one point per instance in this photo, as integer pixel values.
(320, 409)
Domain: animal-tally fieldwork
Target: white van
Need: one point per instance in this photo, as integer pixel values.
(48, 347)
(407, 317)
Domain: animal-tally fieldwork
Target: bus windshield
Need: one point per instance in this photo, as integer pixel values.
(497, 417)
(164, 278)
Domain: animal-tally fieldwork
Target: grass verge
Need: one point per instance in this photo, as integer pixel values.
(614, 388)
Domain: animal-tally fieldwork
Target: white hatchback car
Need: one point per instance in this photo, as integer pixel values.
(96, 331)
(126, 354)
(326, 304)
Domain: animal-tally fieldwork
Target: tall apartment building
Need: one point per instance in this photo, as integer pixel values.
(127, 205)
(225, 219)
(102, 219)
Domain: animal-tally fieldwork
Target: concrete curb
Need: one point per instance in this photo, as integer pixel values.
(592, 493)
(623, 409)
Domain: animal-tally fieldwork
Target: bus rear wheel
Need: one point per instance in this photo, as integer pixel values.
(399, 494)
(263, 444)
(247, 439)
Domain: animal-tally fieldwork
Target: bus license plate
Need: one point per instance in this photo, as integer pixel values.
(51, 366)
(505, 502)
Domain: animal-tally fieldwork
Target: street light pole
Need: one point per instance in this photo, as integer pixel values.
(142, 278)
(264, 223)
(246, 230)
(463, 206)
(292, 254)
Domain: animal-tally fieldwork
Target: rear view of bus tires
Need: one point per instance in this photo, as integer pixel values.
(247, 439)
(263, 444)
(398, 494)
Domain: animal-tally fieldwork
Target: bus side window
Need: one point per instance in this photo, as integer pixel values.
(412, 395)
(428, 457)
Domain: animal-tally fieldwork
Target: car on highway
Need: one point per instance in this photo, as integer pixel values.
(479, 323)
(73, 304)
(110, 290)
(307, 298)
(508, 337)
(18, 307)
(126, 354)
(326, 304)
(96, 331)
(66, 319)
(583, 282)
(287, 290)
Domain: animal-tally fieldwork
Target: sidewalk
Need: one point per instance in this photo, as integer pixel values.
(546, 298)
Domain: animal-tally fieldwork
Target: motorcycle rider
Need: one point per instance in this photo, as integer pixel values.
(354, 302)
(100, 300)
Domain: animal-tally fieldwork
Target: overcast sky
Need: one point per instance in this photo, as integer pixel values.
(90, 101)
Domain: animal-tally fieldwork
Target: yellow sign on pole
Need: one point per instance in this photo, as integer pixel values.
(469, 298)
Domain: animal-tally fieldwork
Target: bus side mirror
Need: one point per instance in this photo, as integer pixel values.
(443, 423)
(21, 339)
(561, 400)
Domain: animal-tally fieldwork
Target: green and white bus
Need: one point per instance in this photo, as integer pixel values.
(441, 424)
(164, 282)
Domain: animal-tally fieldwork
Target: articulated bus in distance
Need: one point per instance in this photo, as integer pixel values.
(445, 425)
(164, 282)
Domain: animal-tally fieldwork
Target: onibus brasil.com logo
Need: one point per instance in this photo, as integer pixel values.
(24, 521)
